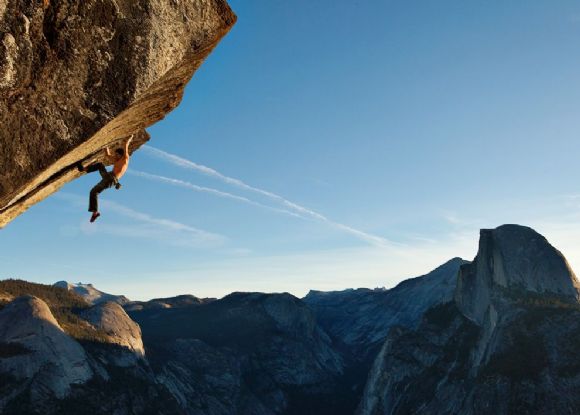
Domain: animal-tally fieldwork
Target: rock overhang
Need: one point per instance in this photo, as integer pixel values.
(78, 76)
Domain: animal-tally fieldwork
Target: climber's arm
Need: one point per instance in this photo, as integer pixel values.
(127, 146)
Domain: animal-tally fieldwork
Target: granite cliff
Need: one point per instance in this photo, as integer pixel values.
(78, 76)
(38, 355)
(507, 342)
(362, 318)
(254, 353)
(114, 321)
(513, 262)
(60, 355)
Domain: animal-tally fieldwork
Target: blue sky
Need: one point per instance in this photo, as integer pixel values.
(399, 127)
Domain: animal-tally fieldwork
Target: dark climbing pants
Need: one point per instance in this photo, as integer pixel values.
(108, 179)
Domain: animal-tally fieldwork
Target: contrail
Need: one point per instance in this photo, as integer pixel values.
(219, 193)
(301, 210)
(199, 236)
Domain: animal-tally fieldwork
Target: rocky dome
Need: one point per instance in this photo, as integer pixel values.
(513, 261)
(507, 344)
(91, 294)
(112, 319)
(76, 76)
(45, 357)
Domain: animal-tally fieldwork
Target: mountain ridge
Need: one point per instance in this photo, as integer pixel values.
(502, 350)
(465, 329)
(91, 294)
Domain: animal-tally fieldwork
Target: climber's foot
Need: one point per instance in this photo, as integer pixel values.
(94, 216)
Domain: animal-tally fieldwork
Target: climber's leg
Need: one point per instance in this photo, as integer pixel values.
(93, 196)
(106, 183)
(97, 166)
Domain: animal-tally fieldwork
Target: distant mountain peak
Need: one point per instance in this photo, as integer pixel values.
(179, 301)
(91, 294)
(362, 318)
(512, 262)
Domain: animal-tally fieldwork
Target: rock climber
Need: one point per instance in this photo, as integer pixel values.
(120, 161)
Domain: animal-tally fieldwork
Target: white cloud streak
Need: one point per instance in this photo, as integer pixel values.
(301, 210)
(150, 227)
(203, 189)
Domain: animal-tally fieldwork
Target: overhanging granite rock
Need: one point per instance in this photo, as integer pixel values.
(76, 76)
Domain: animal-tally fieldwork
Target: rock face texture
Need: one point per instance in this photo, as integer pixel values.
(37, 353)
(78, 76)
(362, 318)
(512, 261)
(91, 294)
(253, 353)
(112, 319)
(507, 343)
(43, 370)
(358, 321)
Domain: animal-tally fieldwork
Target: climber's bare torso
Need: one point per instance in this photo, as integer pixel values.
(120, 166)
(119, 159)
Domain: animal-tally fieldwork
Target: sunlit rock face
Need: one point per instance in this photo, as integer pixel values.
(507, 343)
(36, 352)
(114, 321)
(76, 76)
(91, 294)
(53, 361)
